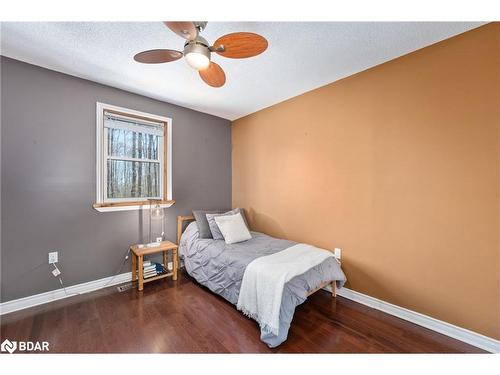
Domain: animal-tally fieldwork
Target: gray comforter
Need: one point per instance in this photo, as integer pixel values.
(220, 267)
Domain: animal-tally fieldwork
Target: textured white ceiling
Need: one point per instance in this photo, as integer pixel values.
(300, 57)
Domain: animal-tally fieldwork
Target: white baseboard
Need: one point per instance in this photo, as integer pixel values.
(54, 295)
(487, 343)
(73, 290)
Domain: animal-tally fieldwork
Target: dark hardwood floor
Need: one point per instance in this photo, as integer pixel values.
(184, 317)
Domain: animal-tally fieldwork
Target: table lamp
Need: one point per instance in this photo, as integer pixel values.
(155, 213)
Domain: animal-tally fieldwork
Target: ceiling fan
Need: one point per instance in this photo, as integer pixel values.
(197, 50)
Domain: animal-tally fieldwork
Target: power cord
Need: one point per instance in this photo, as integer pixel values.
(120, 269)
(57, 273)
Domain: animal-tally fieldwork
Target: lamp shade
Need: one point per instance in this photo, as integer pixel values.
(157, 211)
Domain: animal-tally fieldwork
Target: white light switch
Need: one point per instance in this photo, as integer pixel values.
(53, 257)
(337, 253)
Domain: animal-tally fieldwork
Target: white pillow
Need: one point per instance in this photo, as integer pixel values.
(233, 228)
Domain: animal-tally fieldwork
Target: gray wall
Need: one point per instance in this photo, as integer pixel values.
(48, 177)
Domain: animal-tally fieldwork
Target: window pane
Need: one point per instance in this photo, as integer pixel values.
(133, 179)
(130, 144)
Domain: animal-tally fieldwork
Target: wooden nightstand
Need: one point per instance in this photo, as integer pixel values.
(138, 258)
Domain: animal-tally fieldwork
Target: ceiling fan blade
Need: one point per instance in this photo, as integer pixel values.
(240, 45)
(157, 56)
(185, 29)
(213, 75)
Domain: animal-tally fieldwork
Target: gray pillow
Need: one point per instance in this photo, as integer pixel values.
(214, 228)
(202, 223)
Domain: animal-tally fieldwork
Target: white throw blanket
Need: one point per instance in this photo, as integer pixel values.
(265, 277)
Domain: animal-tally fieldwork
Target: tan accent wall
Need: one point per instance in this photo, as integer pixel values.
(399, 166)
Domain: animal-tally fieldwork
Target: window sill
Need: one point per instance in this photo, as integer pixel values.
(128, 206)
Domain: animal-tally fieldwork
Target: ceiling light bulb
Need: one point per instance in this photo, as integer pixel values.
(197, 60)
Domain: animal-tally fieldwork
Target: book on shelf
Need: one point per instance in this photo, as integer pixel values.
(153, 269)
(146, 263)
(157, 266)
(160, 268)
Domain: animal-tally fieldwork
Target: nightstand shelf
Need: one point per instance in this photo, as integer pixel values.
(138, 254)
(157, 277)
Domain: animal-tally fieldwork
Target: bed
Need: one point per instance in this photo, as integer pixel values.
(220, 267)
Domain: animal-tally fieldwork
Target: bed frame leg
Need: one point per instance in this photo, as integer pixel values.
(334, 289)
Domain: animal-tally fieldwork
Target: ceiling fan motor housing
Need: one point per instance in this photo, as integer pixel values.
(199, 45)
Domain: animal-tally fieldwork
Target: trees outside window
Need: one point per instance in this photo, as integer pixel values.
(133, 149)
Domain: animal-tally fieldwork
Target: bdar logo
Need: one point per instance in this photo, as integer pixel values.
(8, 346)
(24, 346)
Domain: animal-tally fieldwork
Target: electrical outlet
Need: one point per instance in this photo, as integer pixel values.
(338, 253)
(53, 257)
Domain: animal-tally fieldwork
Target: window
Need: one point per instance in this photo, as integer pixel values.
(133, 159)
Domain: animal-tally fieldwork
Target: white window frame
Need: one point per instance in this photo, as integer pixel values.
(103, 203)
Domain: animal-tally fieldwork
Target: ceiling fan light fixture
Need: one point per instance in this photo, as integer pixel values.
(197, 60)
(197, 53)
